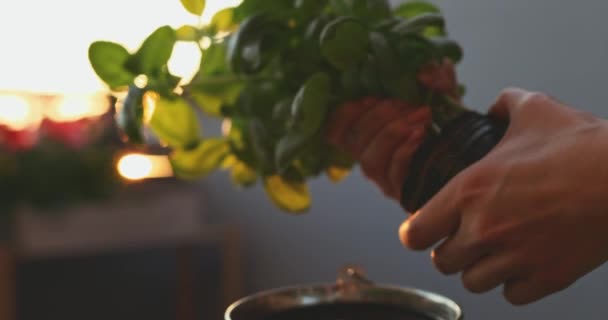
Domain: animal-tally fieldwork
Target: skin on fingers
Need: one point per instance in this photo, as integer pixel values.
(491, 271)
(399, 164)
(376, 157)
(342, 119)
(523, 291)
(422, 230)
(456, 253)
(509, 102)
(368, 126)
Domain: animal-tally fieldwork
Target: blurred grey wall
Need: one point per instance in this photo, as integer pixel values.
(555, 46)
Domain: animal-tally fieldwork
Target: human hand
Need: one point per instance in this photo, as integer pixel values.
(384, 134)
(533, 213)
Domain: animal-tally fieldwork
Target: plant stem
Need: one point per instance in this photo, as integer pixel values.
(445, 109)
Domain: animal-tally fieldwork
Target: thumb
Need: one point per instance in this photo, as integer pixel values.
(509, 102)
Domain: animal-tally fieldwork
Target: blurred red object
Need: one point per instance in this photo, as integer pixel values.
(75, 134)
(18, 140)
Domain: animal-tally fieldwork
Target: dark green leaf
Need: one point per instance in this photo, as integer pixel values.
(257, 41)
(289, 148)
(108, 60)
(344, 42)
(275, 8)
(175, 123)
(448, 48)
(154, 53)
(195, 7)
(414, 8)
(129, 119)
(311, 104)
(368, 10)
(262, 145)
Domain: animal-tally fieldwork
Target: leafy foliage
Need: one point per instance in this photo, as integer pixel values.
(276, 70)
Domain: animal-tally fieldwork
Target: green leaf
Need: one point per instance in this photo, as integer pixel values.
(344, 42)
(248, 8)
(195, 7)
(368, 10)
(213, 60)
(108, 60)
(187, 33)
(289, 196)
(200, 161)
(262, 145)
(175, 123)
(311, 104)
(414, 8)
(223, 20)
(243, 175)
(211, 105)
(289, 148)
(258, 40)
(421, 23)
(448, 48)
(129, 119)
(154, 53)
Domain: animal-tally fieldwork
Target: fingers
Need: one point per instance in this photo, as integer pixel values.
(457, 252)
(438, 219)
(524, 291)
(400, 162)
(509, 102)
(491, 271)
(369, 125)
(377, 159)
(343, 118)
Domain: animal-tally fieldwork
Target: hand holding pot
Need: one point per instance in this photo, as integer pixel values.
(383, 135)
(532, 214)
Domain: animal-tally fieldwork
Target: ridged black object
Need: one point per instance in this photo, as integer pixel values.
(461, 143)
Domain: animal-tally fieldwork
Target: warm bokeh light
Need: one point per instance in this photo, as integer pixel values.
(76, 107)
(185, 60)
(53, 58)
(136, 166)
(226, 126)
(17, 113)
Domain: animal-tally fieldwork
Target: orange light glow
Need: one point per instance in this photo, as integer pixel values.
(17, 113)
(135, 166)
(76, 107)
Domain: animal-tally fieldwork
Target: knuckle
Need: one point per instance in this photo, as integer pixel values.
(535, 99)
(441, 265)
